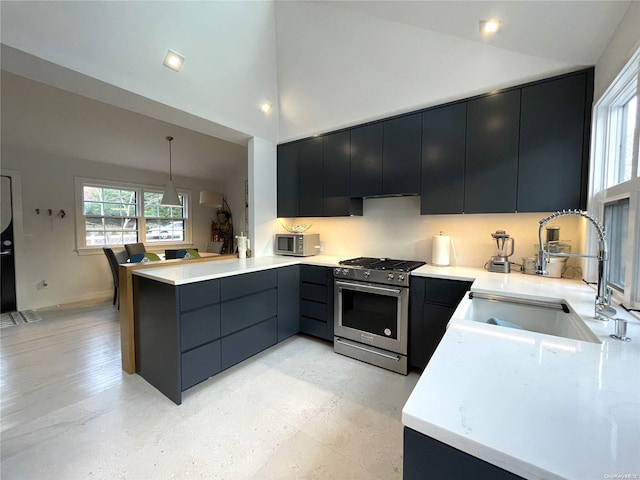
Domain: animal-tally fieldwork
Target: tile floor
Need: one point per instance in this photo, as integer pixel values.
(297, 410)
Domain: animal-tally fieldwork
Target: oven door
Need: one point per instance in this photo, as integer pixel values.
(372, 314)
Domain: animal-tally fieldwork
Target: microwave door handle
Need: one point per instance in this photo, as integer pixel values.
(365, 288)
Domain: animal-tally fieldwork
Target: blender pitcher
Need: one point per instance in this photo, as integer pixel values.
(504, 249)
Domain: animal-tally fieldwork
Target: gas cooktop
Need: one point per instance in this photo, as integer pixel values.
(387, 264)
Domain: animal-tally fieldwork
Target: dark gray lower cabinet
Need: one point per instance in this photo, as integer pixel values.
(425, 458)
(316, 301)
(188, 333)
(432, 301)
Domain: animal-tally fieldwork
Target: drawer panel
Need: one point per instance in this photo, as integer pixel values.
(199, 326)
(314, 327)
(248, 342)
(199, 294)
(314, 310)
(200, 364)
(247, 283)
(314, 274)
(246, 311)
(311, 291)
(445, 292)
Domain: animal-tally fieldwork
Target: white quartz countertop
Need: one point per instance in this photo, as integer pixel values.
(540, 406)
(181, 274)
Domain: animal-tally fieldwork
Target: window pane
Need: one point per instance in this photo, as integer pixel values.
(626, 147)
(616, 223)
(109, 213)
(164, 224)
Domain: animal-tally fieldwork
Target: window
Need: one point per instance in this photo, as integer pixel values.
(114, 214)
(615, 182)
(616, 223)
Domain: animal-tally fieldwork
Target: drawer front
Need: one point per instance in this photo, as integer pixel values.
(200, 364)
(313, 274)
(199, 326)
(199, 294)
(445, 292)
(246, 311)
(247, 283)
(248, 342)
(314, 310)
(311, 291)
(314, 327)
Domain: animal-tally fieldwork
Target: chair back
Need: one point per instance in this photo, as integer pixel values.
(144, 257)
(114, 260)
(133, 248)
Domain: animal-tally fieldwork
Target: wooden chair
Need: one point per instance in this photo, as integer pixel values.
(115, 259)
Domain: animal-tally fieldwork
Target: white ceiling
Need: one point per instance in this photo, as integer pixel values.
(301, 56)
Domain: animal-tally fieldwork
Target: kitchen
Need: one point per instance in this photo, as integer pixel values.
(383, 218)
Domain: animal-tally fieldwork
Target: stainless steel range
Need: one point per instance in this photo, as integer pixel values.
(372, 310)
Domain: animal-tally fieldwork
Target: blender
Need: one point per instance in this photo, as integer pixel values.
(499, 263)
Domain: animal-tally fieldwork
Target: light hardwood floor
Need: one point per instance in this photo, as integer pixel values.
(296, 410)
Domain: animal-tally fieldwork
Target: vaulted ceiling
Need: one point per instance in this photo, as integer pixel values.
(323, 65)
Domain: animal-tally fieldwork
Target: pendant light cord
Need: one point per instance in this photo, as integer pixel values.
(170, 139)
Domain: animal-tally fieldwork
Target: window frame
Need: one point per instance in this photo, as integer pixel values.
(605, 171)
(81, 234)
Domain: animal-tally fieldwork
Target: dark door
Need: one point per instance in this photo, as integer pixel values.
(401, 155)
(553, 161)
(491, 172)
(310, 168)
(7, 258)
(288, 180)
(443, 155)
(366, 161)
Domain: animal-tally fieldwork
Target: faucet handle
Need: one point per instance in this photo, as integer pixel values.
(605, 312)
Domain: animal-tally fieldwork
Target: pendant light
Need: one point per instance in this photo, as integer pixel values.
(170, 197)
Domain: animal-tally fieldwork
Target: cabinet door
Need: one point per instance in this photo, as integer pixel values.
(401, 155)
(553, 166)
(426, 334)
(491, 171)
(288, 180)
(366, 160)
(336, 173)
(288, 301)
(443, 156)
(310, 167)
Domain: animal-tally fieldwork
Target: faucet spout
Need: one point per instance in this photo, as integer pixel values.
(602, 310)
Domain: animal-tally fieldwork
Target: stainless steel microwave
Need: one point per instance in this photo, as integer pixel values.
(297, 244)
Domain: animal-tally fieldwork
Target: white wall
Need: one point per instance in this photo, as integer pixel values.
(338, 68)
(262, 196)
(393, 227)
(47, 249)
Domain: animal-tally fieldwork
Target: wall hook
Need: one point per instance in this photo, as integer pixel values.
(62, 214)
(37, 211)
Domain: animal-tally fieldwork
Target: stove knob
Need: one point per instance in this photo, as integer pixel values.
(345, 271)
(366, 273)
(390, 276)
(337, 271)
(401, 277)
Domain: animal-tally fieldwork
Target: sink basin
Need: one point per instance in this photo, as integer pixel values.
(550, 318)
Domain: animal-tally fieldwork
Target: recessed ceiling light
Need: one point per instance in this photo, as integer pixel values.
(173, 60)
(265, 107)
(488, 27)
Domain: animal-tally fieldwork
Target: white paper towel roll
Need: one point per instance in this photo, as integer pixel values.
(440, 250)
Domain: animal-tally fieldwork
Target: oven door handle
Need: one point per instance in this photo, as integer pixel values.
(365, 288)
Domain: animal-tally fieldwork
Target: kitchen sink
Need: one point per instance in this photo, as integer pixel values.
(550, 318)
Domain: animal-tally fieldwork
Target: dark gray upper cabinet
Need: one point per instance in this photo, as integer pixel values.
(366, 160)
(491, 172)
(337, 176)
(554, 123)
(310, 168)
(401, 155)
(443, 158)
(288, 180)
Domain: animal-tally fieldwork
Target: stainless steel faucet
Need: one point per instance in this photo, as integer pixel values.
(603, 309)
